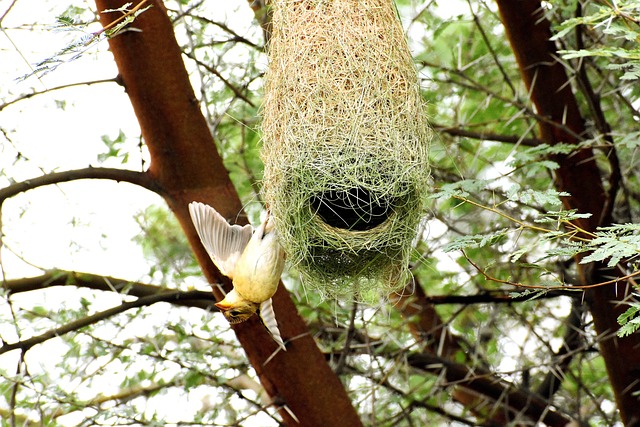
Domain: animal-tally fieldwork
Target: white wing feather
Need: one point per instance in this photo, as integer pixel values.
(269, 319)
(224, 242)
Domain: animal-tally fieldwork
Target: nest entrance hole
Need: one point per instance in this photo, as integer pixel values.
(354, 209)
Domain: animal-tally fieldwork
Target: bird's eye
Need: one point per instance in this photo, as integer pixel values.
(234, 313)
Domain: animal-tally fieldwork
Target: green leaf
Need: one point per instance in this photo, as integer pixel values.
(533, 293)
(614, 243)
(530, 196)
(561, 216)
(115, 147)
(476, 241)
(629, 320)
(461, 188)
(193, 379)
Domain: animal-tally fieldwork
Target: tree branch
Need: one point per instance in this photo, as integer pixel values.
(226, 82)
(493, 297)
(6, 12)
(492, 52)
(595, 106)
(199, 299)
(120, 175)
(20, 419)
(486, 136)
(347, 343)
(559, 126)
(484, 382)
(31, 95)
(236, 37)
(412, 402)
(430, 330)
(25, 345)
(432, 333)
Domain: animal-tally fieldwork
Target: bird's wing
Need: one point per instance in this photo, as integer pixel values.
(268, 317)
(223, 242)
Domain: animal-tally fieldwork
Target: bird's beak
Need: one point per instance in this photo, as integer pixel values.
(223, 305)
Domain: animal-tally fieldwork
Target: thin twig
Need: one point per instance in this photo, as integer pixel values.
(30, 95)
(6, 12)
(526, 225)
(603, 126)
(226, 82)
(347, 344)
(492, 51)
(547, 288)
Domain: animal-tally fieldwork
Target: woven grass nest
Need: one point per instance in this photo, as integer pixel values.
(345, 144)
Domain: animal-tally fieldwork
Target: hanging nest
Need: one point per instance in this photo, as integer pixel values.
(345, 144)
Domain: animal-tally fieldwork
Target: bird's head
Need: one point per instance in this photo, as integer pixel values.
(237, 309)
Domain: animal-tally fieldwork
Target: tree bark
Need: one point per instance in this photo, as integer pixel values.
(529, 33)
(186, 167)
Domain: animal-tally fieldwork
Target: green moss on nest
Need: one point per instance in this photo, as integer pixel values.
(345, 144)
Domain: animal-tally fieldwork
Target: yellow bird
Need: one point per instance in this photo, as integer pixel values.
(254, 260)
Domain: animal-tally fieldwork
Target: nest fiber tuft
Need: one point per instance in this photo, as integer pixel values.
(345, 144)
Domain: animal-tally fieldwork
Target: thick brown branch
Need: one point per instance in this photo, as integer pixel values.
(529, 34)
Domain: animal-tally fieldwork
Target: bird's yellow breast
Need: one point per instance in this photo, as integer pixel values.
(258, 271)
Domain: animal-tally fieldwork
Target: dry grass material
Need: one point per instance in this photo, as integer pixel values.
(345, 144)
